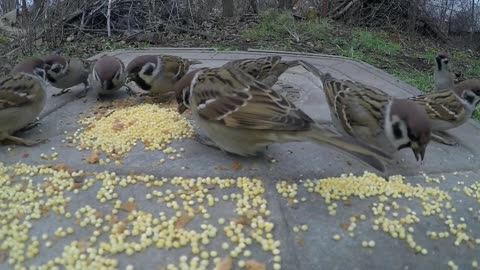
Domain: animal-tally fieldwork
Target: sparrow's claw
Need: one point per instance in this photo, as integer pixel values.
(30, 126)
(83, 93)
(64, 91)
(20, 141)
(130, 92)
(441, 139)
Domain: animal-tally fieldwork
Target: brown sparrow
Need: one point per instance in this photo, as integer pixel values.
(265, 69)
(22, 98)
(451, 107)
(242, 116)
(370, 115)
(63, 73)
(108, 75)
(443, 77)
(158, 74)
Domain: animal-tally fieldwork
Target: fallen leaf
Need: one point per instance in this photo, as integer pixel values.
(118, 126)
(344, 226)
(253, 265)
(120, 228)
(77, 185)
(93, 158)
(236, 165)
(347, 203)
(301, 241)
(182, 221)
(129, 206)
(62, 167)
(225, 264)
(242, 220)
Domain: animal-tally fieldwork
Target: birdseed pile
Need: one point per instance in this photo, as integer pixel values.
(119, 130)
(212, 223)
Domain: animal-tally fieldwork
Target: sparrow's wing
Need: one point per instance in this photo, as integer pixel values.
(237, 100)
(356, 106)
(18, 90)
(443, 106)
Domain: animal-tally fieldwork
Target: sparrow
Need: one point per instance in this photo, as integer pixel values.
(265, 69)
(443, 77)
(241, 115)
(372, 116)
(63, 72)
(22, 98)
(451, 107)
(158, 74)
(108, 75)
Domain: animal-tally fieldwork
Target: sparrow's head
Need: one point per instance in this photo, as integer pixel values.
(409, 126)
(442, 61)
(109, 71)
(469, 90)
(182, 90)
(33, 66)
(143, 69)
(56, 66)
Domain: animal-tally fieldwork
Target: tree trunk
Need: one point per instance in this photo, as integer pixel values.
(285, 4)
(228, 8)
(473, 23)
(254, 6)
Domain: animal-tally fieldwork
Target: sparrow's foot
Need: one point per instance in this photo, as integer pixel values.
(130, 92)
(20, 141)
(64, 91)
(83, 93)
(30, 126)
(441, 138)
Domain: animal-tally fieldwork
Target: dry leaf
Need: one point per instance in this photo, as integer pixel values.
(61, 167)
(225, 264)
(129, 206)
(236, 165)
(77, 185)
(183, 221)
(301, 241)
(120, 228)
(344, 226)
(242, 220)
(118, 126)
(93, 158)
(347, 203)
(253, 265)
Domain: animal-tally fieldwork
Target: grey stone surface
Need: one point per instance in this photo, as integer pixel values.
(295, 161)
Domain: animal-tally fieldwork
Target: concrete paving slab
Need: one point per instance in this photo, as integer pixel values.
(314, 248)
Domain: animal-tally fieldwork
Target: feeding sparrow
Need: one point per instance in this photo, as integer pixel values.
(451, 107)
(372, 116)
(158, 74)
(63, 73)
(443, 77)
(108, 75)
(242, 116)
(22, 98)
(265, 69)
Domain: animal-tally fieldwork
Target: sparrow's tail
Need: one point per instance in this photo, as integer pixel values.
(351, 146)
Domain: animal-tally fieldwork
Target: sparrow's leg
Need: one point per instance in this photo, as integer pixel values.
(440, 137)
(206, 141)
(64, 91)
(130, 91)
(84, 92)
(20, 141)
(31, 126)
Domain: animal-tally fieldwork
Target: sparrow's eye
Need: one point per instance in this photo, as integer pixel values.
(149, 69)
(57, 68)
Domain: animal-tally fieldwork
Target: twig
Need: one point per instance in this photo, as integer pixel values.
(109, 11)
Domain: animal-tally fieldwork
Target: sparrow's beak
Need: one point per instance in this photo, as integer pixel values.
(419, 152)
